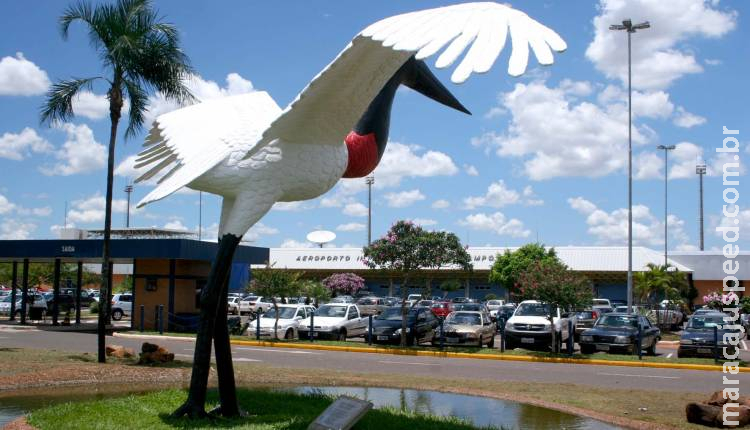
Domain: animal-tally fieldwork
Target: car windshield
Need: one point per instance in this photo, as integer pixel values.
(467, 307)
(601, 302)
(284, 313)
(331, 311)
(493, 303)
(426, 303)
(532, 310)
(394, 314)
(464, 318)
(367, 302)
(705, 322)
(617, 321)
(250, 299)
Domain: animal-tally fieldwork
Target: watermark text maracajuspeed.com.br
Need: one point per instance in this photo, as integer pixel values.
(730, 233)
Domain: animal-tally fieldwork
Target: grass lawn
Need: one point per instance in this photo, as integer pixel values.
(474, 350)
(268, 410)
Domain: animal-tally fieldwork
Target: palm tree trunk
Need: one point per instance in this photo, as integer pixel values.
(105, 293)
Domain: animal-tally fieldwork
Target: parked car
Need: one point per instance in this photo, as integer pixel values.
(420, 326)
(441, 309)
(254, 304)
(288, 326)
(745, 318)
(470, 307)
(494, 305)
(619, 332)
(425, 303)
(392, 301)
(530, 326)
(35, 301)
(233, 305)
(461, 300)
(470, 327)
(697, 340)
(337, 321)
(65, 303)
(343, 299)
(370, 305)
(504, 313)
(584, 321)
(602, 306)
(667, 315)
(122, 304)
(414, 298)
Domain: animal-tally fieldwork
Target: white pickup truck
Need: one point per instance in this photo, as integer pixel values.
(335, 321)
(530, 326)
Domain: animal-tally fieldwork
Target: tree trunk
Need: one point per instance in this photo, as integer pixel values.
(276, 321)
(404, 309)
(194, 406)
(105, 292)
(224, 367)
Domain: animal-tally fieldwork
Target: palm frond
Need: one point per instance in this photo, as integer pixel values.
(138, 107)
(59, 100)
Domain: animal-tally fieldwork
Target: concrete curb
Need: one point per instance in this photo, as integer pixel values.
(446, 354)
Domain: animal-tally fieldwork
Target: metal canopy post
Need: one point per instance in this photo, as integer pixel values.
(13, 285)
(25, 291)
(79, 279)
(56, 292)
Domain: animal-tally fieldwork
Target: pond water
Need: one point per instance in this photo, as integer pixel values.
(480, 411)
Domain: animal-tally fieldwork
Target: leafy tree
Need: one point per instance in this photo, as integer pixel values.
(139, 53)
(509, 266)
(660, 282)
(552, 282)
(449, 286)
(275, 283)
(124, 286)
(344, 283)
(745, 304)
(316, 291)
(406, 249)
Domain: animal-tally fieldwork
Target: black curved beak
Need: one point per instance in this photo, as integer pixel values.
(419, 77)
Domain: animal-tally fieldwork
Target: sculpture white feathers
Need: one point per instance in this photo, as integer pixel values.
(245, 149)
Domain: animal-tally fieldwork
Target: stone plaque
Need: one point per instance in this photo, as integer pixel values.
(341, 415)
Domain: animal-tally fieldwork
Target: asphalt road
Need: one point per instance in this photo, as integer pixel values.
(298, 360)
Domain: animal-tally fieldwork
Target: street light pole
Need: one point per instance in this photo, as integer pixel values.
(666, 179)
(370, 180)
(128, 190)
(700, 170)
(628, 26)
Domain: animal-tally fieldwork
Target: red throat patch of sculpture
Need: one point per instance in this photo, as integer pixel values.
(363, 155)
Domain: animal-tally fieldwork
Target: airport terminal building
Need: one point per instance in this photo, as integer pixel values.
(605, 266)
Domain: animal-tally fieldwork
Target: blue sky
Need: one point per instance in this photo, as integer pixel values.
(542, 157)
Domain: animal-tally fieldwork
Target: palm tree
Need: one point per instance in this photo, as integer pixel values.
(140, 54)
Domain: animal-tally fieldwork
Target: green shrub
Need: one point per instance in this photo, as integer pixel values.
(94, 307)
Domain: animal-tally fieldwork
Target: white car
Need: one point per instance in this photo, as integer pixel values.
(122, 304)
(336, 321)
(34, 301)
(251, 304)
(233, 305)
(290, 317)
(530, 326)
(494, 305)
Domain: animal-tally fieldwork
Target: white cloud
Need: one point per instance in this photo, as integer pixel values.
(530, 197)
(355, 209)
(13, 229)
(292, 206)
(499, 195)
(176, 224)
(352, 226)
(441, 204)
(257, 231)
(18, 146)
(557, 136)
(471, 170)
(647, 165)
(5, 205)
(424, 222)
(686, 119)
(95, 106)
(21, 77)
(403, 199)
(80, 153)
(496, 223)
(713, 61)
(611, 228)
(203, 90)
(658, 57)
(291, 243)
(647, 104)
(91, 209)
(742, 218)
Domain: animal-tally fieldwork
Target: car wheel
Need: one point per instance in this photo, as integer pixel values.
(289, 335)
(342, 335)
(481, 341)
(587, 349)
(492, 342)
(117, 314)
(651, 350)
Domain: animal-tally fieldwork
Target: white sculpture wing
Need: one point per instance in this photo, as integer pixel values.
(327, 109)
(186, 143)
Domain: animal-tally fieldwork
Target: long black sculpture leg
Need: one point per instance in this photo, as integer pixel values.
(194, 406)
(224, 368)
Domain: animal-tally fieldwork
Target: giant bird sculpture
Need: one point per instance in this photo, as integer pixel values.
(253, 154)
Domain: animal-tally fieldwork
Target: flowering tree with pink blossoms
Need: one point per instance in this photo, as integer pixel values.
(407, 248)
(344, 283)
(715, 300)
